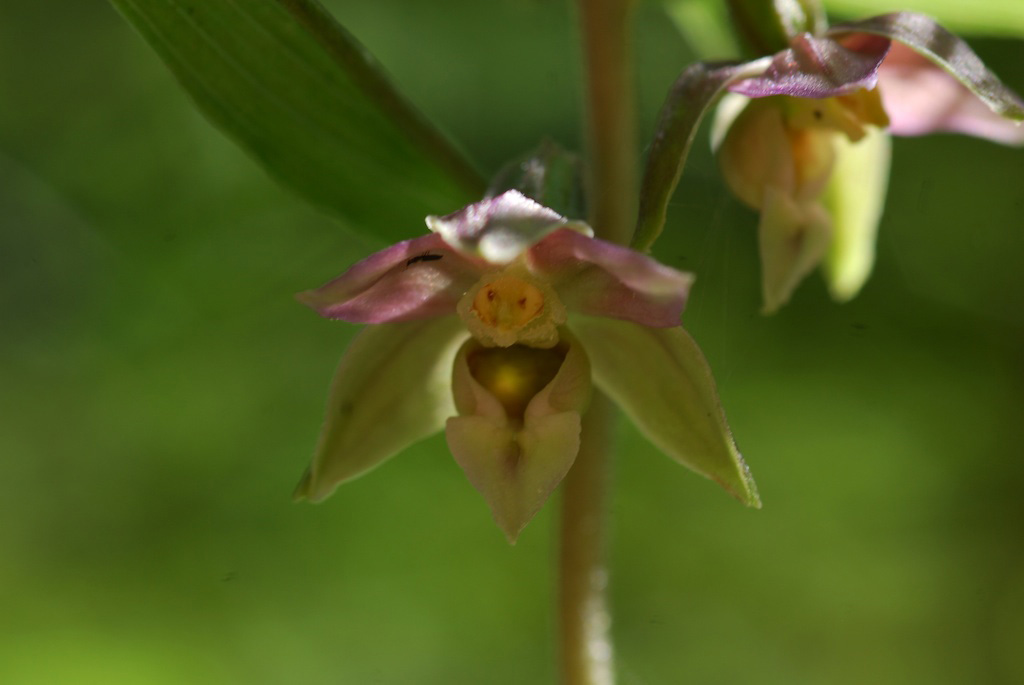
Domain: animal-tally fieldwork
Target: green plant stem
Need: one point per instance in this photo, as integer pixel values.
(611, 126)
(585, 622)
(584, 618)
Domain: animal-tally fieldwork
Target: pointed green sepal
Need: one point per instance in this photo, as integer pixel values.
(694, 92)
(392, 388)
(663, 383)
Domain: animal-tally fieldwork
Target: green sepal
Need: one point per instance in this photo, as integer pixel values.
(855, 198)
(696, 90)
(392, 388)
(663, 383)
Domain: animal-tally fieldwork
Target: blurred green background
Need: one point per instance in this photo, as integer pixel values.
(161, 392)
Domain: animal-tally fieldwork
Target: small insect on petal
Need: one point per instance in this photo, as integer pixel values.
(423, 258)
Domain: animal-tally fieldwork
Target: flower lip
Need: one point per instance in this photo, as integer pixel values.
(514, 375)
(518, 428)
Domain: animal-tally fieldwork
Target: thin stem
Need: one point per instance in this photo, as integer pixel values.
(585, 622)
(584, 619)
(611, 126)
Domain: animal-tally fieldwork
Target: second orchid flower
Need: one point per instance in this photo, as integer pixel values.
(803, 137)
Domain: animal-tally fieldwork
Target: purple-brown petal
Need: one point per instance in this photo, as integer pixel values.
(600, 278)
(818, 68)
(413, 279)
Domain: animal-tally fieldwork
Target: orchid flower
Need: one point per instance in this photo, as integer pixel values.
(494, 327)
(803, 136)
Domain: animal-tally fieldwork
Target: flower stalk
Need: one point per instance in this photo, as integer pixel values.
(585, 619)
(611, 173)
(611, 120)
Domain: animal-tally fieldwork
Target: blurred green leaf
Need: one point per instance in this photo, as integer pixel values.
(704, 25)
(988, 17)
(295, 90)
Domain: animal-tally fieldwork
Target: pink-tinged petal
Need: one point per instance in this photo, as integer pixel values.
(500, 228)
(392, 388)
(413, 279)
(818, 68)
(793, 240)
(516, 461)
(942, 107)
(592, 276)
(663, 383)
(922, 98)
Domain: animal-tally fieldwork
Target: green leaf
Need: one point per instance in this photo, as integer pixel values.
(298, 93)
(986, 17)
(704, 25)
